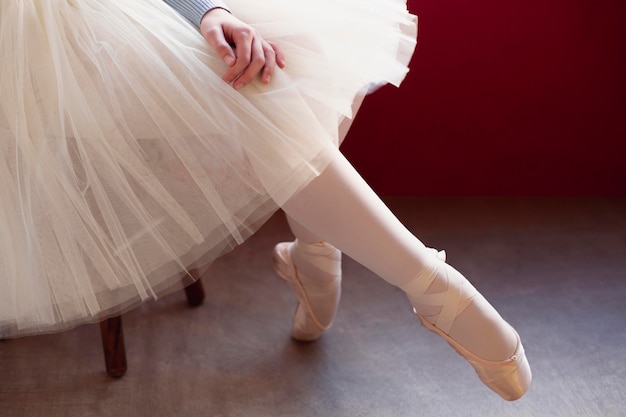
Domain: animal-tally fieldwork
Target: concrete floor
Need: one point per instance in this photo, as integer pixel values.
(554, 267)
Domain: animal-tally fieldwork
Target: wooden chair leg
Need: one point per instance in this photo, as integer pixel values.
(195, 291)
(113, 334)
(113, 346)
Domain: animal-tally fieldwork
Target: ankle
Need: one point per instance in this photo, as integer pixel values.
(439, 293)
(469, 319)
(428, 281)
(317, 263)
(315, 249)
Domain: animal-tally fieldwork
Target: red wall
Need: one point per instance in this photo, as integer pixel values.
(504, 97)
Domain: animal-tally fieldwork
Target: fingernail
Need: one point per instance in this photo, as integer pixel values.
(238, 86)
(229, 60)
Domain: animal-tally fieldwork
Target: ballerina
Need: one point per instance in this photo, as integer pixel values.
(136, 147)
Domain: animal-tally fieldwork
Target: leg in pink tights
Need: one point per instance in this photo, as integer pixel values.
(340, 208)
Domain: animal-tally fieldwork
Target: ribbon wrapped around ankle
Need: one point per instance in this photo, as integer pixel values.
(452, 301)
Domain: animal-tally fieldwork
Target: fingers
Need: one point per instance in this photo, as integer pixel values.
(270, 63)
(273, 57)
(255, 56)
(250, 58)
(216, 39)
(242, 48)
(280, 56)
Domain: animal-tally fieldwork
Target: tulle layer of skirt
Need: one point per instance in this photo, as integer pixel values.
(126, 160)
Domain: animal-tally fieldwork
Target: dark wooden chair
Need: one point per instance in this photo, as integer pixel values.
(113, 334)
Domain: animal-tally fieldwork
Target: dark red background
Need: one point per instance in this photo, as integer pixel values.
(504, 97)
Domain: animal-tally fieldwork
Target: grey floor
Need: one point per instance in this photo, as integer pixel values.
(554, 267)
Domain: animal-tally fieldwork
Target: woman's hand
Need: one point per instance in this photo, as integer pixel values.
(241, 47)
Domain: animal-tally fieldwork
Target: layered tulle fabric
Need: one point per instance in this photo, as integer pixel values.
(126, 160)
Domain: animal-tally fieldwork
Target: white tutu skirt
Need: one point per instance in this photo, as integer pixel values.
(126, 160)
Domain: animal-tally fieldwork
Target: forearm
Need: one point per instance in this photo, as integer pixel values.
(194, 10)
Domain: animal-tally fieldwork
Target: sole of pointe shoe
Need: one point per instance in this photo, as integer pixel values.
(510, 378)
(286, 270)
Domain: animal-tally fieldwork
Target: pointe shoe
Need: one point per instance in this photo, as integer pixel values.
(509, 378)
(307, 326)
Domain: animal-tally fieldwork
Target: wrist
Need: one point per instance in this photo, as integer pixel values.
(195, 10)
(214, 11)
(211, 16)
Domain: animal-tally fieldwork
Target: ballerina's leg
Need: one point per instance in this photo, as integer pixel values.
(340, 208)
